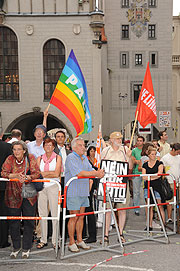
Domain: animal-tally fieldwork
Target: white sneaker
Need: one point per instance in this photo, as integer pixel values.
(25, 254)
(14, 254)
(83, 245)
(73, 248)
(169, 221)
(156, 225)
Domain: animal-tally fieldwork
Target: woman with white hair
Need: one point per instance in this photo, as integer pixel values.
(16, 166)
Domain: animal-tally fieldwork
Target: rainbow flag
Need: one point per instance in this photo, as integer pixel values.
(70, 96)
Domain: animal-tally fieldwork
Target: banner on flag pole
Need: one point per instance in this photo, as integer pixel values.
(146, 106)
(70, 96)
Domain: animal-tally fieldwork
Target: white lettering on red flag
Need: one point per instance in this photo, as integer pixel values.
(146, 106)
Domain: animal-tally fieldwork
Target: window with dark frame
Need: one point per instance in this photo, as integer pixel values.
(124, 59)
(125, 4)
(53, 62)
(136, 91)
(138, 59)
(151, 31)
(125, 31)
(9, 71)
(152, 3)
(153, 59)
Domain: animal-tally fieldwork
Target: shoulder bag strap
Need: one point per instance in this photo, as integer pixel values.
(25, 165)
(107, 152)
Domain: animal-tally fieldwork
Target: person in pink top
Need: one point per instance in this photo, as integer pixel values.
(50, 166)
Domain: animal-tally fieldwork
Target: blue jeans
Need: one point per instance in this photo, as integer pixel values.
(156, 194)
(136, 191)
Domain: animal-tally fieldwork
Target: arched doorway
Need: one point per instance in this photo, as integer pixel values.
(27, 122)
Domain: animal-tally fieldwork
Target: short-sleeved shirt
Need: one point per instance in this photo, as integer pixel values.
(172, 166)
(73, 166)
(166, 148)
(34, 149)
(155, 184)
(109, 153)
(137, 154)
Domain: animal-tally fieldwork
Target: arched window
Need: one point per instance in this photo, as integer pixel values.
(54, 61)
(9, 73)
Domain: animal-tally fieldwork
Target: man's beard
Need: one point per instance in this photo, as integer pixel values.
(116, 144)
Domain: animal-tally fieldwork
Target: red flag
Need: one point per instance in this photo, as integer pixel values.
(146, 106)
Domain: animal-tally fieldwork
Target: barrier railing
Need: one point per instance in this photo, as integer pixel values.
(35, 217)
(104, 211)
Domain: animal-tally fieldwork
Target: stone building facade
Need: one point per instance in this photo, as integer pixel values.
(32, 31)
(137, 31)
(176, 77)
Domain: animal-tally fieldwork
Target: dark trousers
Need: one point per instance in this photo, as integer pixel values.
(26, 209)
(4, 225)
(61, 214)
(91, 220)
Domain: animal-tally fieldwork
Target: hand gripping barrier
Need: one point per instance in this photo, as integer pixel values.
(149, 237)
(39, 218)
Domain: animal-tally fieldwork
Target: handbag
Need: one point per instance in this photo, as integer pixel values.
(28, 189)
(38, 185)
(166, 189)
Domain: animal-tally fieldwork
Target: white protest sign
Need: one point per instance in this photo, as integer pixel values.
(116, 186)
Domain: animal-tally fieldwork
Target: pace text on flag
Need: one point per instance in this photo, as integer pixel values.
(70, 96)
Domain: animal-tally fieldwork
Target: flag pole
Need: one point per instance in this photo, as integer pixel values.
(46, 115)
(133, 130)
(47, 109)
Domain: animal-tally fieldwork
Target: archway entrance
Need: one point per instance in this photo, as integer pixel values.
(27, 122)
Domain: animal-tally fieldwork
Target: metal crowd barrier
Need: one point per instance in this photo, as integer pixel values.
(39, 218)
(104, 211)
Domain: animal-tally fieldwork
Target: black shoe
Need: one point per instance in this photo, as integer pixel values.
(137, 213)
(150, 229)
(6, 245)
(90, 240)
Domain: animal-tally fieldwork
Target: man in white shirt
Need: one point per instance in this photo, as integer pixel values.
(171, 163)
(117, 152)
(36, 147)
(164, 146)
(16, 135)
(60, 137)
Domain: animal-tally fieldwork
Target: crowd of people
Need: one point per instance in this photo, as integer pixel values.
(50, 159)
